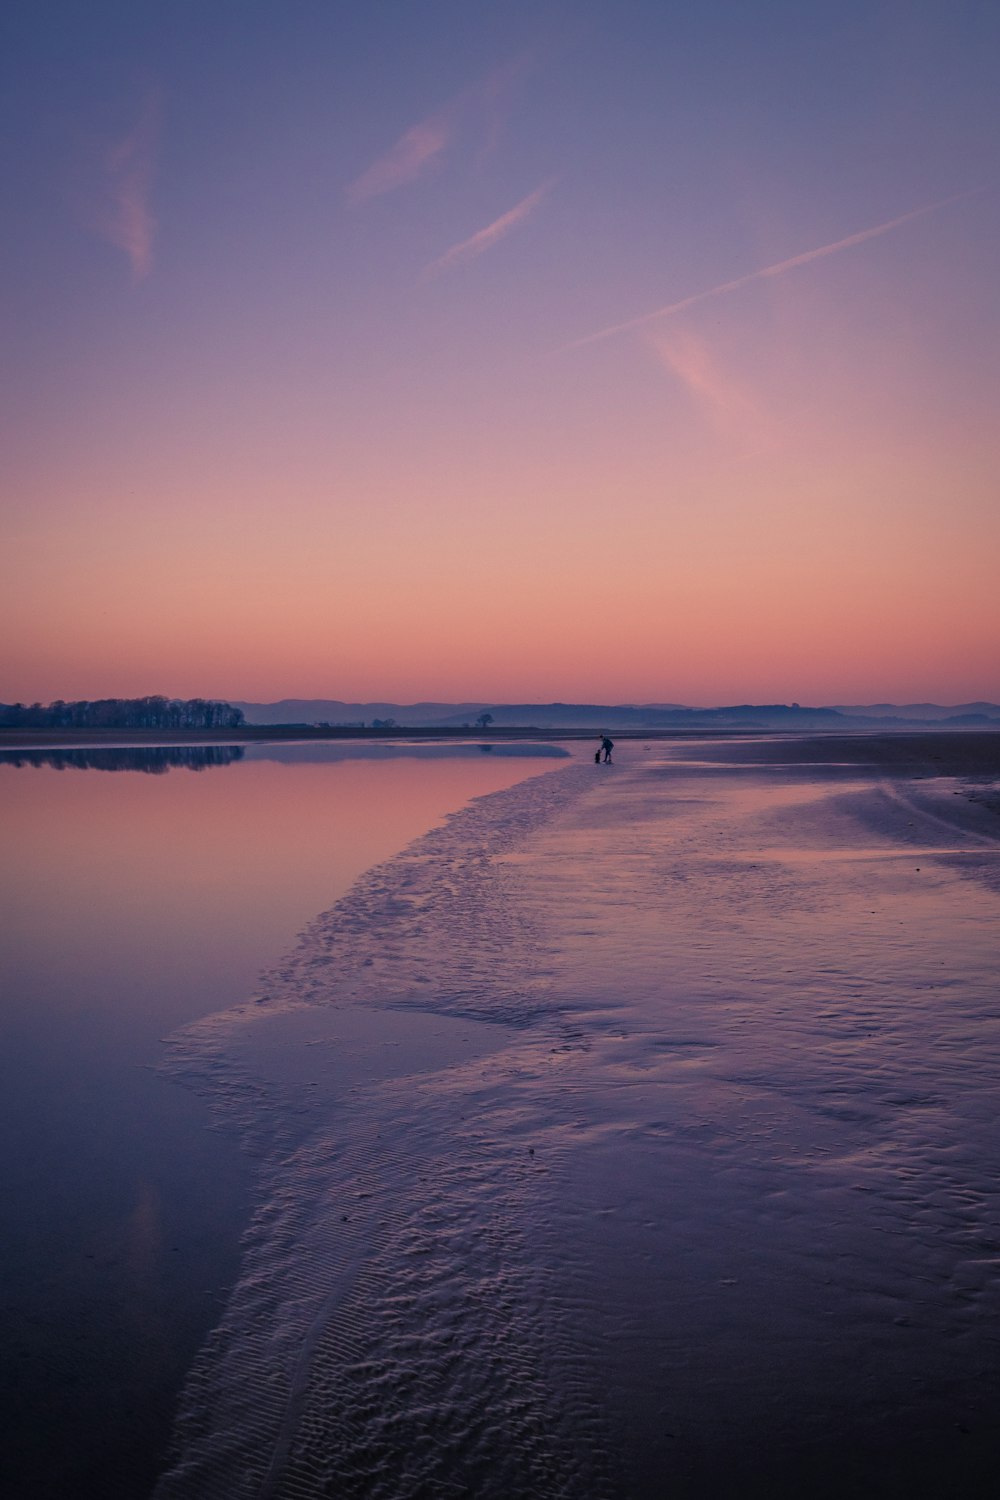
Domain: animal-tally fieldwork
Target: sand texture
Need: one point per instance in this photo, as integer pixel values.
(633, 1134)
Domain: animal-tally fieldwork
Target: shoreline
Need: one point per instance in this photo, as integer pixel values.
(986, 740)
(262, 733)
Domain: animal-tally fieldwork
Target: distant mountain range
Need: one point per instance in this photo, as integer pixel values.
(926, 713)
(621, 716)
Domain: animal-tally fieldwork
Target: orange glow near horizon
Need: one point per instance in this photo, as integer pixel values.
(812, 569)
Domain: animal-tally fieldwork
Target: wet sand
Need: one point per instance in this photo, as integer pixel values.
(632, 1134)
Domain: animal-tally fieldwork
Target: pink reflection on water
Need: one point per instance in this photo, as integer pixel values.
(199, 879)
(129, 904)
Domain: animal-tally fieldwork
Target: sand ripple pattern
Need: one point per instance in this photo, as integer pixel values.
(393, 1331)
(632, 1135)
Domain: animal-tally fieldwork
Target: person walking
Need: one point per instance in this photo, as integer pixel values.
(607, 745)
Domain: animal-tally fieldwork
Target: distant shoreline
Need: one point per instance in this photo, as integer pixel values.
(27, 738)
(256, 733)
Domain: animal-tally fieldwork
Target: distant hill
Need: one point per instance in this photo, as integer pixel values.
(601, 716)
(536, 715)
(631, 716)
(924, 713)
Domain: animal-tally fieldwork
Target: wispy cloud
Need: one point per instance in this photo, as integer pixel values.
(494, 95)
(484, 239)
(125, 217)
(419, 148)
(730, 410)
(777, 269)
(411, 156)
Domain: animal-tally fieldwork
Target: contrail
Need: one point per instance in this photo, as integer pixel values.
(484, 238)
(775, 270)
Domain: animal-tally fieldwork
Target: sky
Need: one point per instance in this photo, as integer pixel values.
(605, 351)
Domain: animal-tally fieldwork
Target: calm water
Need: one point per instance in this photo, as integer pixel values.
(142, 891)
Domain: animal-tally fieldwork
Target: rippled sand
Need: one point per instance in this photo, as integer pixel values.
(632, 1135)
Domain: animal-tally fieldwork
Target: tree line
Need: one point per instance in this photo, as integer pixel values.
(123, 713)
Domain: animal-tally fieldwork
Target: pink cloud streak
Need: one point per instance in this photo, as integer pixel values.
(419, 147)
(127, 220)
(412, 154)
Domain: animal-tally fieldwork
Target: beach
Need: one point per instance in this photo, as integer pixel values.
(631, 1132)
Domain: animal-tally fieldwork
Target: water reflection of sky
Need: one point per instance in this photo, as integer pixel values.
(130, 904)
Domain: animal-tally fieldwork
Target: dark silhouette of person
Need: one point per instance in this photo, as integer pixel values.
(607, 745)
(597, 756)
